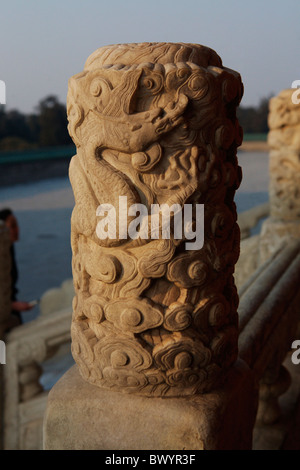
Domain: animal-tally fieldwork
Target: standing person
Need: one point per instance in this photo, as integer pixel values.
(17, 306)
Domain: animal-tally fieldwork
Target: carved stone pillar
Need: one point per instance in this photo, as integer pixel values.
(154, 123)
(284, 143)
(155, 310)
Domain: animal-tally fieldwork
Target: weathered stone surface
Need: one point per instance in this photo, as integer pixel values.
(155, 123)
(283, 114)
(57, 298)
(27, 347)
(248, 260)
(285, 183)
(274, 234)
(80, 416)
(284, 143)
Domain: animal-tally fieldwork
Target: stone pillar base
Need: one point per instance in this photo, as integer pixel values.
(81, 416)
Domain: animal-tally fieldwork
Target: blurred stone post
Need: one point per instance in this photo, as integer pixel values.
(155, 310)
(284, 190)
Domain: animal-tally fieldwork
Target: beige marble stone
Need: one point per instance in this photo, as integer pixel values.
(24, 402)
(283, 114)
(284, 143)
(80, 416)
(276, 234)
(155, 123)
(248, 261)
(57, 298)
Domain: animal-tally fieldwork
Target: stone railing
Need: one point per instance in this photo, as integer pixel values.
(269, 317)
(249, 259)
(27, 347)
(267, 329)
(249, 219)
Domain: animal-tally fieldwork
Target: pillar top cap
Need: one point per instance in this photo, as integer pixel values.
(152, 53)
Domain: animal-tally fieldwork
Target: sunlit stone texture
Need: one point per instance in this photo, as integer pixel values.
(284, 190)
(284, 141)
(155, 122)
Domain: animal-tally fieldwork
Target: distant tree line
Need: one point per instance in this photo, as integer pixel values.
(47, 126)
(254, 120)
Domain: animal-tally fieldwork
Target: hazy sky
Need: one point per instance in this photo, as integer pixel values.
(44, 42)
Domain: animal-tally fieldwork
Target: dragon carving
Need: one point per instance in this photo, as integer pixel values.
(155, 123)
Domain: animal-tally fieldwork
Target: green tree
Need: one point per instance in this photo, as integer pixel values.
(254, 119)
(52, 120)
